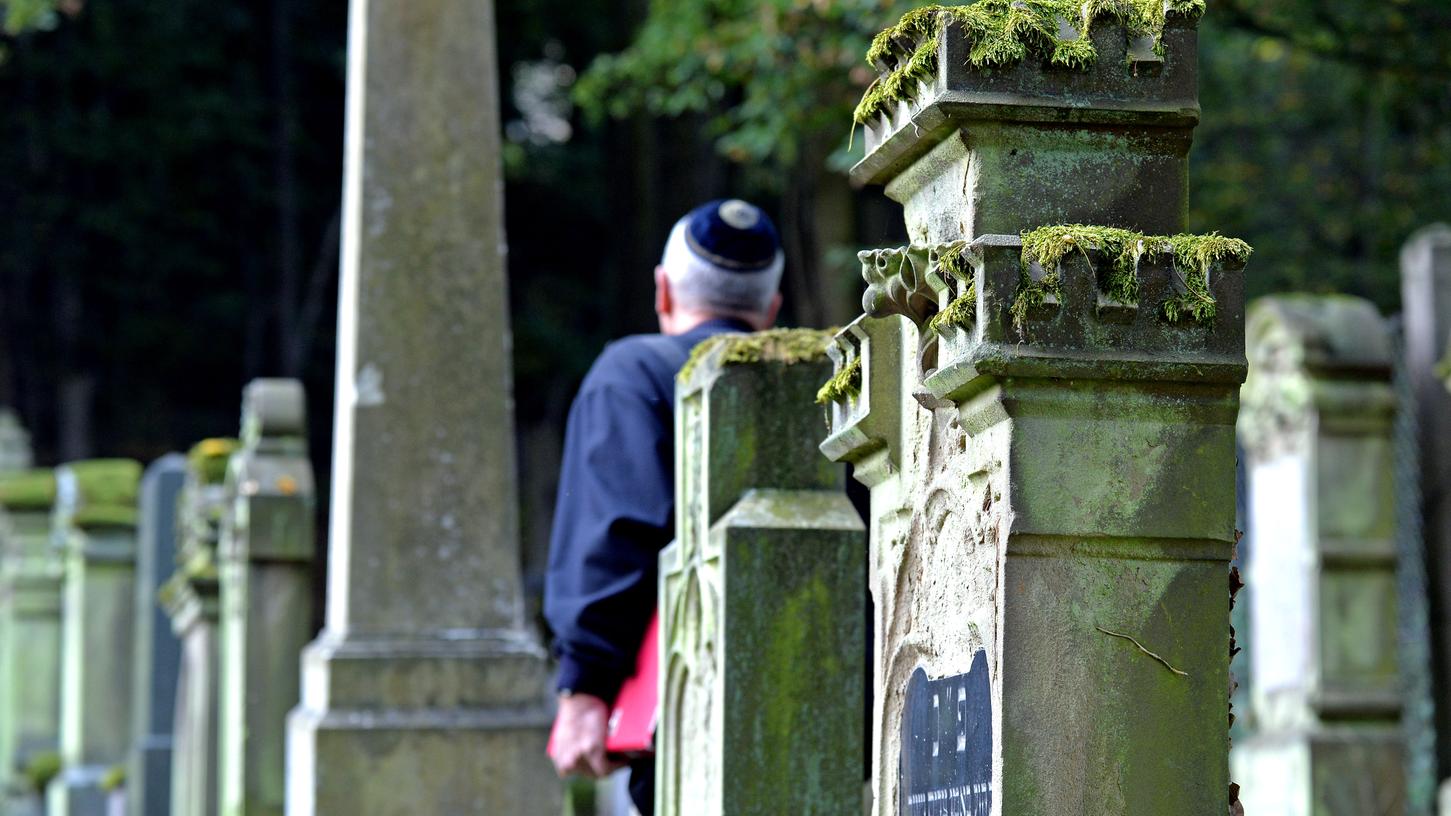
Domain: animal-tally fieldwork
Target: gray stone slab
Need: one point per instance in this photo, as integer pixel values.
(158, 652)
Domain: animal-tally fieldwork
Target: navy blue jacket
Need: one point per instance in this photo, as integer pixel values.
(616, 507)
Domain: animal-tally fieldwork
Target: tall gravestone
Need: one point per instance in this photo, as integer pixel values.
(1316, 426)
(267, 607)
(191, 597)
(31, 573)
(1045, 417)
(425, 692)
(1426, 325)
(762, 593)
(94, 526)
(158, 652)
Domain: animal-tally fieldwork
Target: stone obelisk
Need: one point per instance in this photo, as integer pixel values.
(425, 692)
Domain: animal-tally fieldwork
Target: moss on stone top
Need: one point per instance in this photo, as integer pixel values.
(41, 768)
(1005, 32)
(114, 778)
(789, 346)
(1193, 256)
(208, 459)
(106, 492)
(845, 383)
(28, 490)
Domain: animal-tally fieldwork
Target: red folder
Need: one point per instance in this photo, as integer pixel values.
(631, 730)
(637, 708)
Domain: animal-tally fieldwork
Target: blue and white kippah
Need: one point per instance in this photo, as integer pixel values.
(727, 254)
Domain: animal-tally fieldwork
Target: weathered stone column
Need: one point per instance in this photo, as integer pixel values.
(425, 693)
(31, 571)
(1426, 325)
(267, 594)
(762, 592)
(158, 652)
(1316, 426)
(95, 528)
(191, 598)
(1045, 416)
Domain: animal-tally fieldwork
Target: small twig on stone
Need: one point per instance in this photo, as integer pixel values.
(1130, 639)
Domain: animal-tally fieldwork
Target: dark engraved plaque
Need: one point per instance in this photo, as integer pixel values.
(947, 744)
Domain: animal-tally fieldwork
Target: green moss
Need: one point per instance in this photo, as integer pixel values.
(40, 769)
(962, 311)
(789, 346)
(1005, 32)
(114, 779)
(1193, 256)
(208, 459)
(845, 383)
(30, 490)
(1443, 368)
(107, 481)
(104, 515)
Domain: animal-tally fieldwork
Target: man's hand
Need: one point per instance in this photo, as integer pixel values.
(579, 737)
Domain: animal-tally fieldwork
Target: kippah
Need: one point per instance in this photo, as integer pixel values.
(732, 234)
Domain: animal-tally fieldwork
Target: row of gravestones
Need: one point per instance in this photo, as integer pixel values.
(150, 625)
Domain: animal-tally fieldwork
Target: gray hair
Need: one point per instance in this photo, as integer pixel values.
(699, 284)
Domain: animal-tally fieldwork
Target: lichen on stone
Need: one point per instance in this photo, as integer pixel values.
(847, 382)
(114, 778)
(1193, 255)
(788, 346)
(1005, 32)
(28, 490)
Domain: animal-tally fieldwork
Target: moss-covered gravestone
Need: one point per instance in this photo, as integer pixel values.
(31, 572)
(266, 556)
(191, 598)
(426, 691)
(1316, 428)
(761, 594)
(1041, 396)
(94, 527)
(158, 652)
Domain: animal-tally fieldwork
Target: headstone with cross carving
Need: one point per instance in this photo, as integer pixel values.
(267, 608)
(762, 592)
(94, 526)
(1041, 397)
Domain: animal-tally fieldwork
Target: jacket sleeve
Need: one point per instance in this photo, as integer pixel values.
(613, 515)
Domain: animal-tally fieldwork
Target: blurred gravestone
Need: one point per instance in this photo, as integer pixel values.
(191, 599)
(762, 592)
(95, 528)
(31, 571)
(157, 649)
(1044, 416)
(1316, 427)
(266, 553)
(426, 691)
(1425, 325)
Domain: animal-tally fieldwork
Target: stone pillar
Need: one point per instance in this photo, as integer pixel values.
(426, 692)
(95, 528)
(1316, 426)
(1426, 325)
(1045, 417)
(191, 598)
(762, 592)
(267, 595)
(158, 653)
(31, 570)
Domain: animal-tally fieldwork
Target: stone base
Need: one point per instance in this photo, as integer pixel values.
(148, 778)
(26, 804)
(77, 791)
(405, 726)
(1336, 772)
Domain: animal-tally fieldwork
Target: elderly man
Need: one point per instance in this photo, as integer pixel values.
(721, 272)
